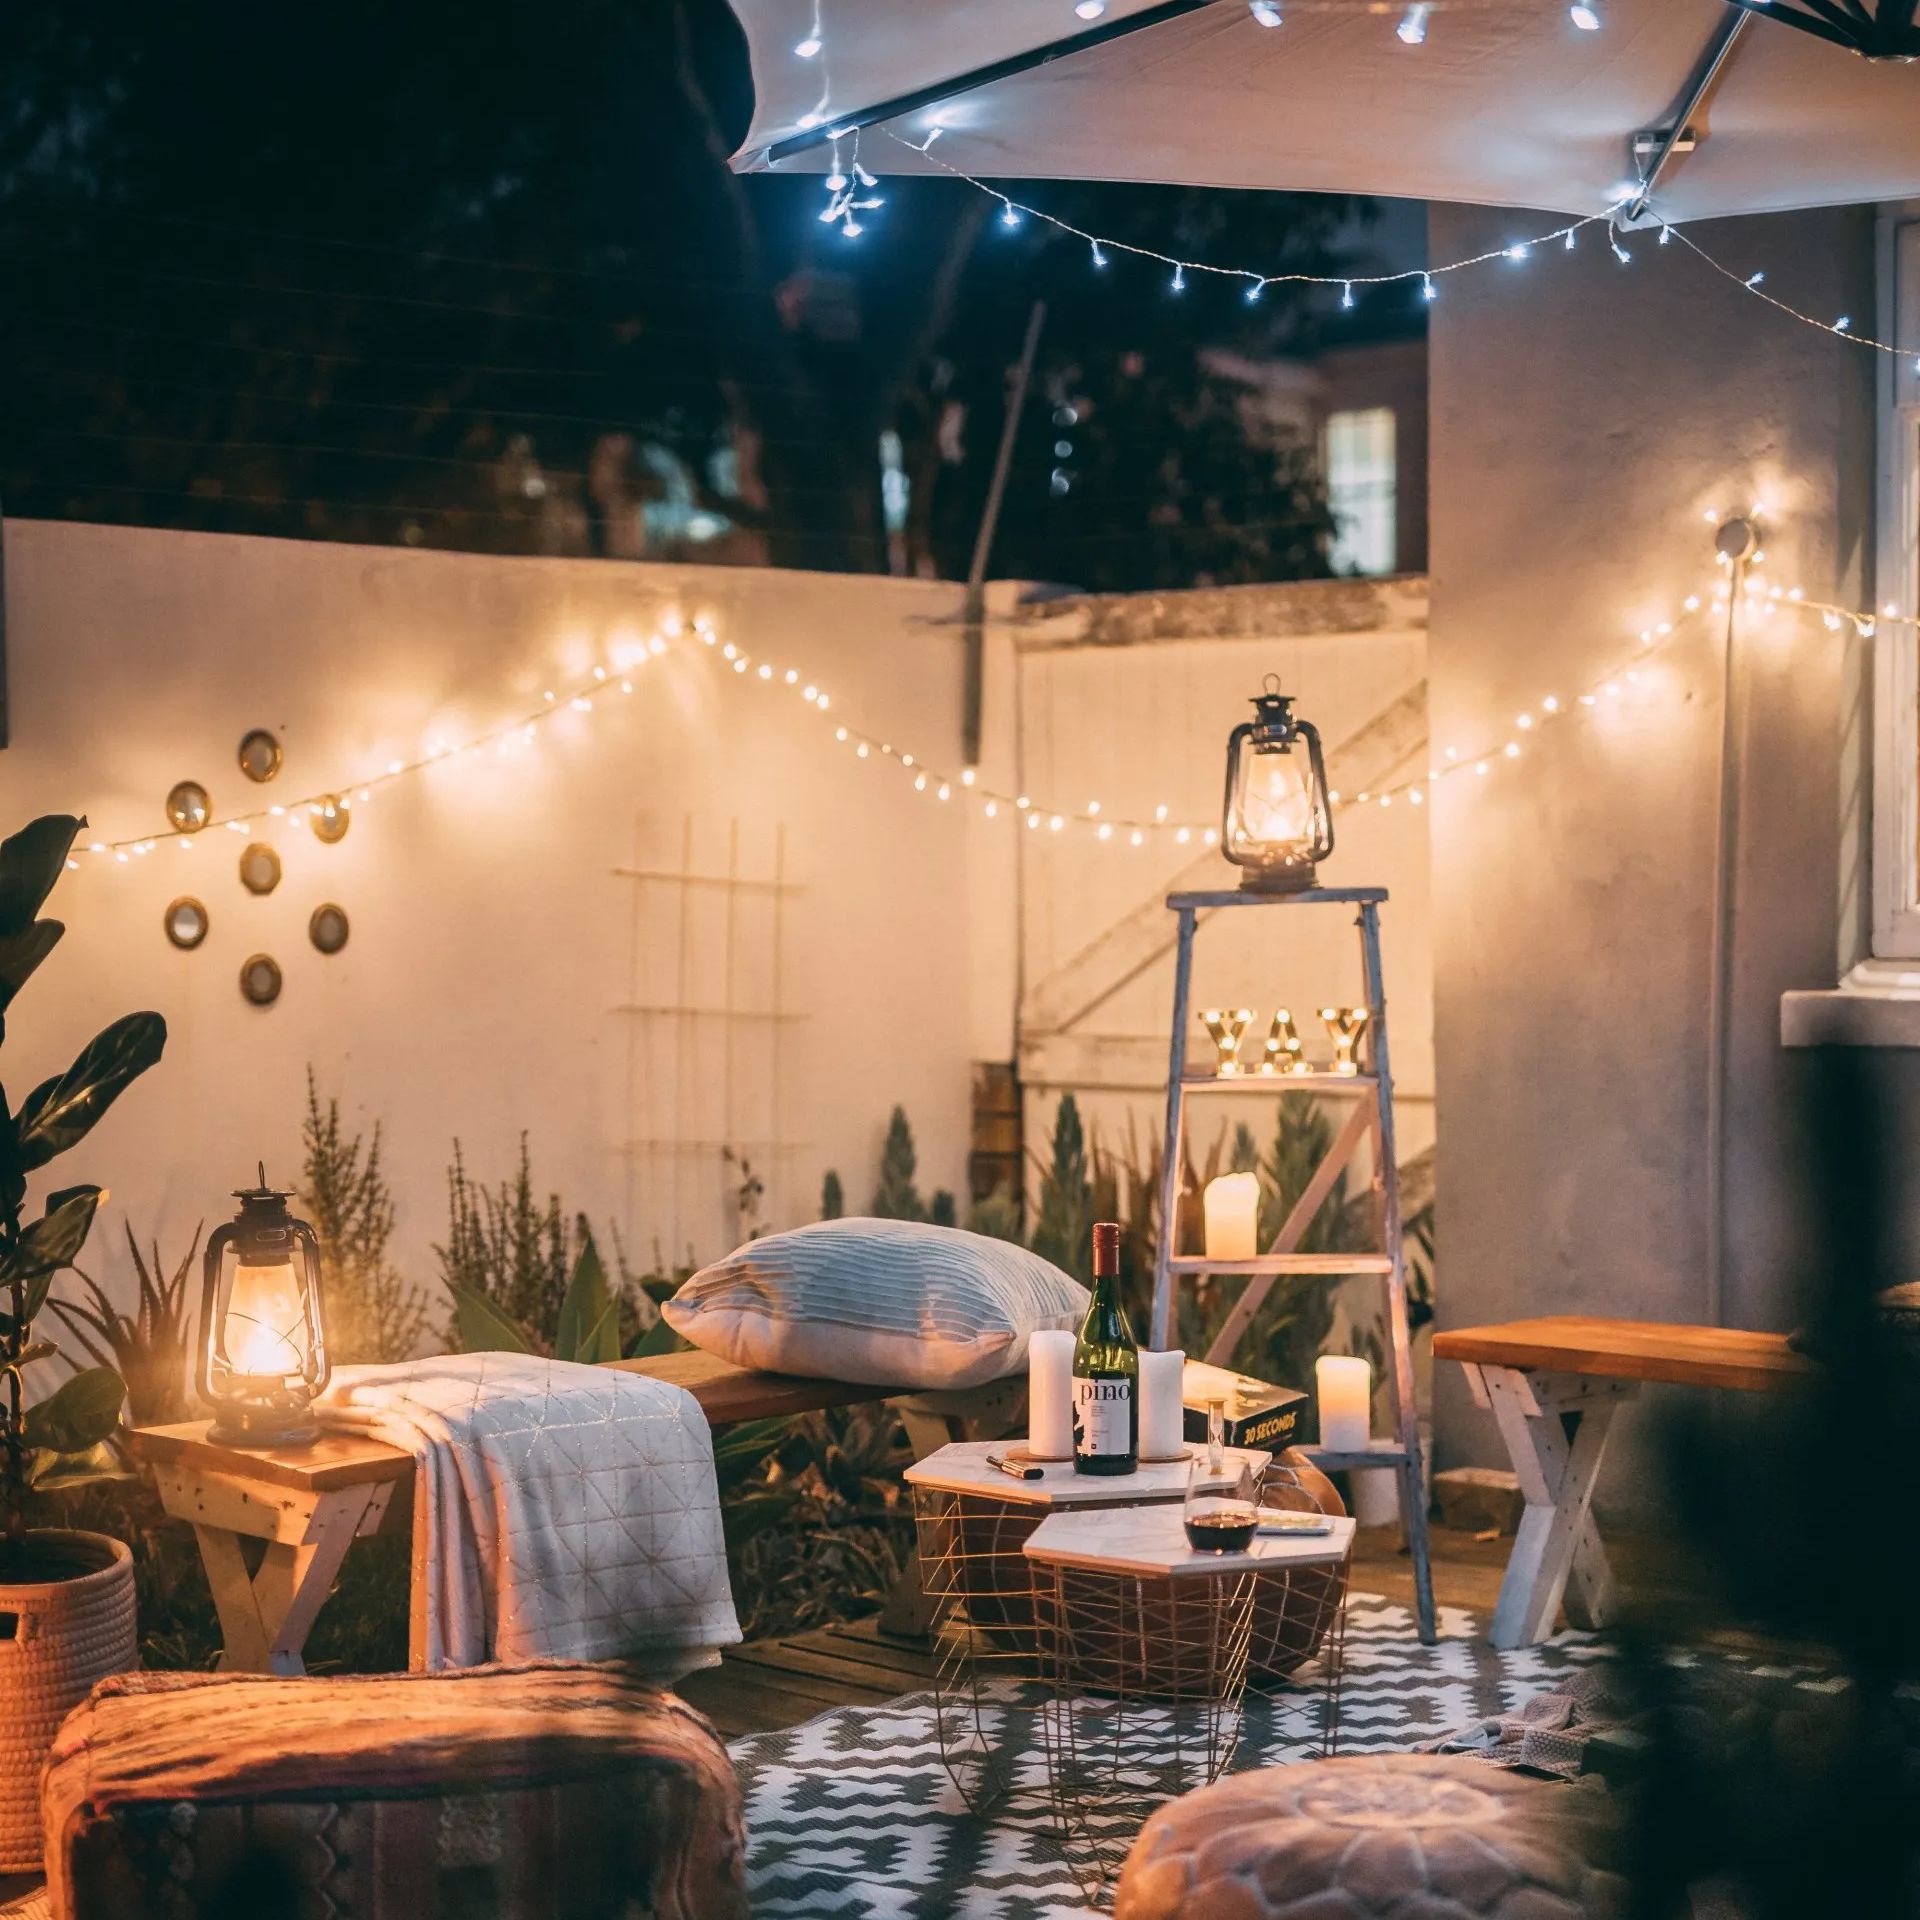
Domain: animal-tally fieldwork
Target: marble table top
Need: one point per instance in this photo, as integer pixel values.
(962, 1468)
(1153, 1541)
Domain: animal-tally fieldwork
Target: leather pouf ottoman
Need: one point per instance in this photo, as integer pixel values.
(1415, 1836)
(527, 1793)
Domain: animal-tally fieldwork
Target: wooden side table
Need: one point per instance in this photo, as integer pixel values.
(1148, 1646)
(309, 1504)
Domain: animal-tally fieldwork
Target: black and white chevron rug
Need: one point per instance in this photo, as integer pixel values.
(853, 1817)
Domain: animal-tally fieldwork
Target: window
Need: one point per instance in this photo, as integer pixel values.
(1896, 689)
(1361, 489)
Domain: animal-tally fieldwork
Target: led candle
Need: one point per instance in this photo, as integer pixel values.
(1162, 1411)
(1233, 1217)
(1050, 1395)
(1346, 1402)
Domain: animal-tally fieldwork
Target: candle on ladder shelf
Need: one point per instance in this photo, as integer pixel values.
(1162, 1408)
(1233, 1217)
(1050, 1395)
(1346, 1402)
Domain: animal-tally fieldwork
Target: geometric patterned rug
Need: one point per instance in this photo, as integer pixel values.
(851, 1816)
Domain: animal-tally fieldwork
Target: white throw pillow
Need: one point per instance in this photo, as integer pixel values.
(882, 1302)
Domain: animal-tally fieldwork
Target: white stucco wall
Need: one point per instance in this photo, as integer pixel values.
(1585, 419)
(494, 937)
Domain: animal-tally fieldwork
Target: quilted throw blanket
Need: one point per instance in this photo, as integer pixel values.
(560, 1512)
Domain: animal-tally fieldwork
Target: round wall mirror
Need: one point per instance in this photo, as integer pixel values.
(327, 929)
(186, 923)
(260, 980)
(260, 755)
(331, 816)
(259, 868)
(188, 806)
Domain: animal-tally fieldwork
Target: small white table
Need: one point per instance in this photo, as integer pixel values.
(972, 1521)
(1149, 1645)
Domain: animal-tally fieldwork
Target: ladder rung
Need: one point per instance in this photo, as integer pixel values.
(1378, 1453)
(1275, 1082)
(1306, 1263)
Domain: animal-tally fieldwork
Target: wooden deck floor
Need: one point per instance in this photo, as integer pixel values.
(779, 1683)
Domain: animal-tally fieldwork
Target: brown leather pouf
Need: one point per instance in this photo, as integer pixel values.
(1414, 1836)
(522, 1793)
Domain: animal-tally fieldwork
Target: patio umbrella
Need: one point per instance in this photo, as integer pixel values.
(1723, 106)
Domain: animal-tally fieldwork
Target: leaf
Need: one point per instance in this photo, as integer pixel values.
(588, 1328)
(21, 952)
(482, 1327)
(658, 1338)
(52, 1472)
(84, 1411)
(52, 1241)
(59, 1113)
(30, 862)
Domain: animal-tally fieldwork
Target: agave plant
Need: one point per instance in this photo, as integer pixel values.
(62, 1438)
(149, 1347)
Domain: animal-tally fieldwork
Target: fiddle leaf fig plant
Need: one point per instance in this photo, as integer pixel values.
(62, 1438)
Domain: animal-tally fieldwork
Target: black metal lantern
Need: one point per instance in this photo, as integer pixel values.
(1278, 822)
(263, 1344)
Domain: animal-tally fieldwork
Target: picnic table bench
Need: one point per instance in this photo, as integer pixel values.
(1552, 1386)
(310, 1503)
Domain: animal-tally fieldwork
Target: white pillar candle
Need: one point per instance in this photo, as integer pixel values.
(1346, 1402)
(1233, 1217)
(1162, 1411)
(1050, 1395)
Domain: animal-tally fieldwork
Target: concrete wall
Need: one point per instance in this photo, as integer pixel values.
(500, 939)
(1585, 417)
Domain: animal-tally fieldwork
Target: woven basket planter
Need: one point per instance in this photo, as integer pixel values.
(57, 1638)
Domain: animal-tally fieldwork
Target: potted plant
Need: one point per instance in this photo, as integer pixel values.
(66, 1598)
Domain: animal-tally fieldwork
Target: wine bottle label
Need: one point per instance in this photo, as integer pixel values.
(1102, 1416)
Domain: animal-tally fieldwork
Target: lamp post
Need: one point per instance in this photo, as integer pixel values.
(1278, 823)
(263, 1348)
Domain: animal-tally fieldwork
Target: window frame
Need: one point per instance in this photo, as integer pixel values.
(1896, 650)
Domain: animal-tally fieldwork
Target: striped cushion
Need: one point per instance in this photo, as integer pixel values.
(884, 1302)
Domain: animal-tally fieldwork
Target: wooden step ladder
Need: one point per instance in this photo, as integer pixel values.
(1371, 1119)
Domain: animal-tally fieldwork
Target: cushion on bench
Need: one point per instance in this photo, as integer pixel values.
(549, 1791)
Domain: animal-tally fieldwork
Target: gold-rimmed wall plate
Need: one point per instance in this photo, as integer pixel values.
(259, 754)
(331, 815)
(327, 927)
(186, 923)
(260, 979)
(188, 806)
(259, 868)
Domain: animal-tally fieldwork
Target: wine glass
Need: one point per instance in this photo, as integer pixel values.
(1222, 1508)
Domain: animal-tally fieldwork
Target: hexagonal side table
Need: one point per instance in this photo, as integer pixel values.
(1147, 1645)
(972, 1520)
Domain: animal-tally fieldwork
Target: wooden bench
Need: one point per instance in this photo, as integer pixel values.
(309, 1504)
(1552, 1386)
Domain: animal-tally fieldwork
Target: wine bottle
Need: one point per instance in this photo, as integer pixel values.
(1106, 1370)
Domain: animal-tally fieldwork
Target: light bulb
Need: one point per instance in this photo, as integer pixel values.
(1413, 24)
(1099, 256)
(1265, 12)
(1090, 9)
(808, 48)
(1585, 18)
(1009, 215)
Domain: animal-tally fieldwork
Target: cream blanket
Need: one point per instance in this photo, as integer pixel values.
(561, 1512)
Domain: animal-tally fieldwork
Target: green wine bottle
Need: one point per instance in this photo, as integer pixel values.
(1106, 1370)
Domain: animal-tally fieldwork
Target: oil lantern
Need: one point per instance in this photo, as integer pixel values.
(1278, 823)
(263, 1346)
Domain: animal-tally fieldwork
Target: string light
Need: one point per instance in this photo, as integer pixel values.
(1413, 24)
(1265, 12)
(1763, 597)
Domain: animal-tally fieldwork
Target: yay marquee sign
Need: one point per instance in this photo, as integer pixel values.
(1282, 1053)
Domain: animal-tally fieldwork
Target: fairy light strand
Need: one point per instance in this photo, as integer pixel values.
(615, 678)
(1102, 247)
